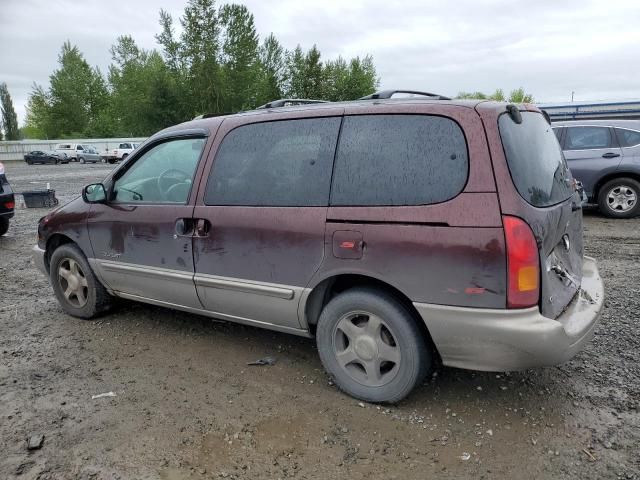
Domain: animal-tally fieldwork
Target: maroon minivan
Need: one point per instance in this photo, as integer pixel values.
(396, 231)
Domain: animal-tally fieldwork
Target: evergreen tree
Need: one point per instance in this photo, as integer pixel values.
(9, 118)
(240, 58)
(272, 70)
(200, 49)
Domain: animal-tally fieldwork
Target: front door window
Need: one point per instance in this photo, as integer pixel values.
(163, 174)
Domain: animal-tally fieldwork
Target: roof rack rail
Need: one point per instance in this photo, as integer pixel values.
(390, 93)
(209, 115)
(288, 102)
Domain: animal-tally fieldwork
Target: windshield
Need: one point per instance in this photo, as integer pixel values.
(537, 165)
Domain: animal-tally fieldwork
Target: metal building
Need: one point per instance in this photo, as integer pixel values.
(592, 110)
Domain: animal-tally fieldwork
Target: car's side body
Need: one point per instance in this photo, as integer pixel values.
(7, 199)
(73, 151)
(286, 209)
(88, 154)
(39, 156)
(597, 152)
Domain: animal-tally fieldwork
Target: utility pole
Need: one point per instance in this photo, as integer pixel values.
(572, 92)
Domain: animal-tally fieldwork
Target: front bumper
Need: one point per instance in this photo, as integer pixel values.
(500, 340)
(38, 256)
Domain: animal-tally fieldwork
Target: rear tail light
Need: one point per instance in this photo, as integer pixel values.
(9, 204)
(523, 264)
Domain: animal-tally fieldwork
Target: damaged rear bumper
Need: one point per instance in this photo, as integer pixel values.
(499, 340)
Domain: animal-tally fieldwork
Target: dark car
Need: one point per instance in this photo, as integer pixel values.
(398, 232)
(605, 156)
(7, 202)
(38, 156)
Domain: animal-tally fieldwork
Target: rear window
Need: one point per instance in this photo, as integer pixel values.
(399, 160)
(538, 168)
(628, 138)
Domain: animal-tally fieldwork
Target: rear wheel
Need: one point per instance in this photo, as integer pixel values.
(81, 159)
(79, 292)
(4, 225)
(620, 198)
(371, 345)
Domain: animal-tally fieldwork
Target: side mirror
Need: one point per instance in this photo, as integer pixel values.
(94, 193)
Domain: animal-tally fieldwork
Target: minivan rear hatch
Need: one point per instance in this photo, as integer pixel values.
(551, 206)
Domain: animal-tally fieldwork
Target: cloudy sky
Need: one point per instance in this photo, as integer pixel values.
(551, 48)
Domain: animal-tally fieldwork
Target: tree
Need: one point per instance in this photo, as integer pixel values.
(240, 58)
(145, 95)
(217, 64)
(73, 88)
(272, 70)
(9, 117)
(200, 48)
(38, 120)
(516, 96)
(295, 72)
(519, 96)
(170, 47)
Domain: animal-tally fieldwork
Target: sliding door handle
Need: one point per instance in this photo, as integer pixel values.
(203, 227)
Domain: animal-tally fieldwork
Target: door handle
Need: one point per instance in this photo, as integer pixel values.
(610, 155)
(203, 227)
(183, 228)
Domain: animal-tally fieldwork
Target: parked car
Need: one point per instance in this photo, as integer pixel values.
(397, 232)
(7, 202)
(89, 155)
(38, 156)
(605, 156)
(120, 153)
(73, 151)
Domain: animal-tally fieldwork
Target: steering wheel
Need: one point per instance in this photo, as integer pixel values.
(169, 178)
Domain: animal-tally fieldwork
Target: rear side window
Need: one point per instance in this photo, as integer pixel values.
(628, 138)
(538, 168)
(399, 160)
(280, 164)
(587, 138)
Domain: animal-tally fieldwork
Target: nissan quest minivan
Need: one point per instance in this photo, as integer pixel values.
(399, 232)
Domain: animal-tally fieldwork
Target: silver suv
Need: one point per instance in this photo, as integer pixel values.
(605, 156)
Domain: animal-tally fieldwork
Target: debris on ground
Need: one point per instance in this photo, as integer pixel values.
(35, 442)
(102, 395)
(263, 361)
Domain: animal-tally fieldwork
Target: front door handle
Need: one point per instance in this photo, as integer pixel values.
(183, 227)
(610, 155)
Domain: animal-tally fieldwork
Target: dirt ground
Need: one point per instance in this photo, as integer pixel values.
(187, 406)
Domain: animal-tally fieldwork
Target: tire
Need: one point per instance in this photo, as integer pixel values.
(4, 225)
(70, 258)
(81, 159)
(620, 198)
(352, 329)
(124, 157)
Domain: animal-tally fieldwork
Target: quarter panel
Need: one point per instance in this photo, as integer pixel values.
(439, 265)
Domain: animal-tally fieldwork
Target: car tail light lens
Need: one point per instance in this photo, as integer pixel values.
(523, 264)
(10, 205)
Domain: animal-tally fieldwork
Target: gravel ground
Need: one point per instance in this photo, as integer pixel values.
(187, 406)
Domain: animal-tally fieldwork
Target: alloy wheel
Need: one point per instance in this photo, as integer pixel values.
(621, 198)
(366, 349)
(73, 282)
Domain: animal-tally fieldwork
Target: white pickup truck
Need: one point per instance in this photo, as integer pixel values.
(120, 153)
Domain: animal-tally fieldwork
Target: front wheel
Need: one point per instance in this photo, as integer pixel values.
(77, 289)
(81, 160)
(4, 225)
(371, 344)
(619, 198)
